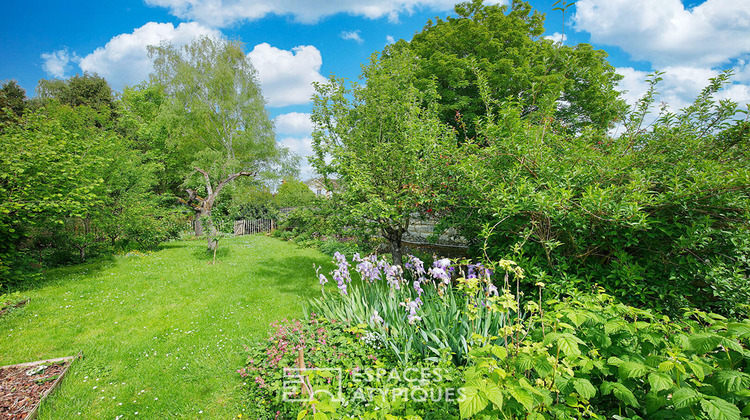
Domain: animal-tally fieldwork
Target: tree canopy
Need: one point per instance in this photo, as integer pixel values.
(88, 89)
(505, 45)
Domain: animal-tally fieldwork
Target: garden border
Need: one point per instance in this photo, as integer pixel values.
(33, 413)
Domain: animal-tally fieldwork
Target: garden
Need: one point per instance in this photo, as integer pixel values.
(603, 272)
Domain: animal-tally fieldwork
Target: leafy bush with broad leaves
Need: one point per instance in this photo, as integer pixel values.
(658, 216)
(591, 357)
(151, 226)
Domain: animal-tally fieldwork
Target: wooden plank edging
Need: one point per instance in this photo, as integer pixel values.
(33, 413)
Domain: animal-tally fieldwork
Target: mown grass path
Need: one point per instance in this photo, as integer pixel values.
(162, 334)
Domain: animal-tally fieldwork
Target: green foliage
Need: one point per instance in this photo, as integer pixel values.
(248, 201)
(88, 90)
(363, 134)
(13, 102)
(658, 216)
(150, 226)
(293, 193)
(589, 356)
(225, 128)
(147, 131)
(505, 45)
(47, 176)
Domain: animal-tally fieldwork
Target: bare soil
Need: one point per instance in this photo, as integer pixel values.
(21, 391)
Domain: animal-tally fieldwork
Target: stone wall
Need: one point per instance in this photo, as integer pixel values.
(422, 228)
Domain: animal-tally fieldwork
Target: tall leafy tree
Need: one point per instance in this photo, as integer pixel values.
(88, 89)
(658, 216)
(13, 101)
(49, 174)
(293, 193)
(575, 84)
(147, 129)
(380, 144)
(220, 117)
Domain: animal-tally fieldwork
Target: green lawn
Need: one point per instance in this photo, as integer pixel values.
(162, 334)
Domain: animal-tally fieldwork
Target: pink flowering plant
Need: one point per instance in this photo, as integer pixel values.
(323, 343)
(370, 380)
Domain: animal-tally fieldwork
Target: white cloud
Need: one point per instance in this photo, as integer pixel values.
(301, 146)
(287, 76)
(57, 63)
(124, 59)
(557, 37)
(389, 39)
(219, 13)
(679, 87)
(665, 33)
(294, 123)
(352, 36)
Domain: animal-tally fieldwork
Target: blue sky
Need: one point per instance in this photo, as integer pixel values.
(293, 43)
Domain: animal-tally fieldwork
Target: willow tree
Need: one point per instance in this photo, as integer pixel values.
(219, 118)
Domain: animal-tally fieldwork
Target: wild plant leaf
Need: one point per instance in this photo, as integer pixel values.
(472, 403)
(524, 362)
(685, 397)
(615, 361)
(500, 352)
(732, 380)
(578, 317)
(624, 394)
(584, 388)
(731, 345)
(740, 329)
(523, 397)
(659, 381)
(697, 370)
(614, 326)
(543, 367)
(494, 394)
(704, 342)
(718, 409)
(655, 402)
(632, 369)
(568, 344)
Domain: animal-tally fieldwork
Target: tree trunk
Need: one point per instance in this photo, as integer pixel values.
(208, 202)
(198, 225)
(394, 239)
(208, 224)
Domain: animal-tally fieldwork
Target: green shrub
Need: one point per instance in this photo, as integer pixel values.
(589, 356)
(658, 216)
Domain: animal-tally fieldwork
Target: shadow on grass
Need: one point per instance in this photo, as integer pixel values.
(63, 274)
(201, 253)
(294, 274)
(173, 245)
